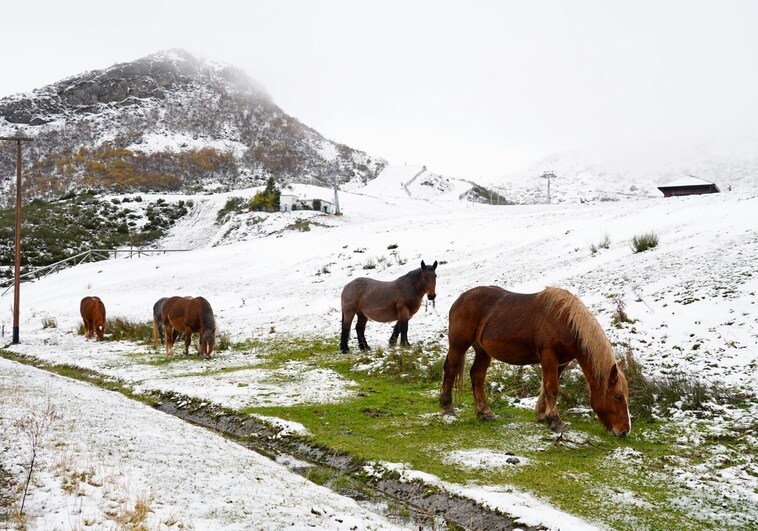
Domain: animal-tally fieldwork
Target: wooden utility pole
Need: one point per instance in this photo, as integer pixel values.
(17, 262)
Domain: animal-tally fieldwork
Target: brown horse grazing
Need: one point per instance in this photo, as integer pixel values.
(551, 328)
(93, 315)
(189, 315)
(385, 302)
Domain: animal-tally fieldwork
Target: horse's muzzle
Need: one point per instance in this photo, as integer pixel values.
(431, 296)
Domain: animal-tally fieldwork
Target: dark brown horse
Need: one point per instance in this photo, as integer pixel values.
(92, 310)
(551, 328)
(189, 315)
(385, 302)
(158, 321)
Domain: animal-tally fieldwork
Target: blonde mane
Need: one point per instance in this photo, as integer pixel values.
(590, 335)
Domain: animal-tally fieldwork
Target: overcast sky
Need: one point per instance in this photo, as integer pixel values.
(472, 89)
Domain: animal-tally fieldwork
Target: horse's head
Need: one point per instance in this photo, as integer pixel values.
(429, 279)
(611, 406)
(100, 331)
(207, 342)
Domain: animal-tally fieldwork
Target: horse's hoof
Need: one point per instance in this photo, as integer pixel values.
(556, 425)
(449, 412)
(486, 416)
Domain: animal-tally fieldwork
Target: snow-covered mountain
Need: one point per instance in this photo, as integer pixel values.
(732, 164)
(168, 121)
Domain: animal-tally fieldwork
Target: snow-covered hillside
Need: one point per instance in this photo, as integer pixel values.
(691, 300)
(636, 173)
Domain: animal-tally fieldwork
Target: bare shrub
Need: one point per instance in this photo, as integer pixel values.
(604, 243)
(35, 426)
(619, 315)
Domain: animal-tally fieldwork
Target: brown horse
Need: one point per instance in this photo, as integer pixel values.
(385, 302)
(551, 328)
(92, 310)
(158, 331)
(189, 315)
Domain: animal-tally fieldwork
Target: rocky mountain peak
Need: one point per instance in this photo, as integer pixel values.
(124, 84)
(171, 122)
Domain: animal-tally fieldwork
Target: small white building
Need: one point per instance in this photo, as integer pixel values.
(291, 202)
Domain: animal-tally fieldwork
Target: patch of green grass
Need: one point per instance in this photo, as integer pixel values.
(119, 329)
(621, 483)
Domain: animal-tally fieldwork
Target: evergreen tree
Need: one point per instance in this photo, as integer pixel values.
(268, 199)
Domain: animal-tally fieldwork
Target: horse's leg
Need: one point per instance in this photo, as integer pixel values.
(155, 333)
(347, 321)
(455, 358)
(395, 333)
(360, 330)
(478, 373)
(547, 409)
(402, 325)
(541, 407)
(187, 341)
(169, 339)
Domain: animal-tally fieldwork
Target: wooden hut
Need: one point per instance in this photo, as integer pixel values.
(689, 185)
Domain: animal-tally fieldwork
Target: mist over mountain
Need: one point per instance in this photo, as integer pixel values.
(633, 173)
(168, 121)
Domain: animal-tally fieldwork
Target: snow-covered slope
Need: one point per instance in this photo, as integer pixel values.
(705, 258)
(691, 300)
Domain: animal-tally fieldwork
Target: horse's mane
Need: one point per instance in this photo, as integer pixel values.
(413, 274)
(208, 319)
(591, 337)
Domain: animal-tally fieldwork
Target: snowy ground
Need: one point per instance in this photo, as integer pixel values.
(692, 299)
(122, 455)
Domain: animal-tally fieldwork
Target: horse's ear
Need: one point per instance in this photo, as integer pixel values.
(423, 265)
(434, 265)
(614, 375)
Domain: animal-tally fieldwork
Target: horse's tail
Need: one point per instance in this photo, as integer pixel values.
(155, 333)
